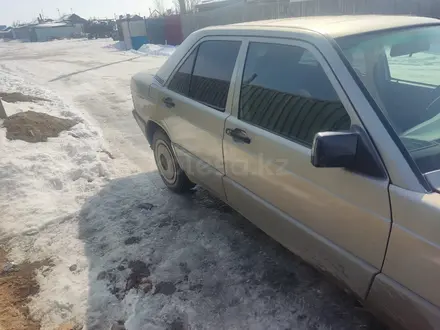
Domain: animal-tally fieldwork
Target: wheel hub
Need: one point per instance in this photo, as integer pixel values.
(165, 162)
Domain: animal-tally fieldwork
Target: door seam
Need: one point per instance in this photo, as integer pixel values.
(386, 246)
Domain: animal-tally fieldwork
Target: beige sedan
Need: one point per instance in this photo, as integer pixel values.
(325, 133)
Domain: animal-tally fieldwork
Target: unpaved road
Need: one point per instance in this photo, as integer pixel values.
(167, 261)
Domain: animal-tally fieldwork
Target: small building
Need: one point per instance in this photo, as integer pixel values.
(5, 32)
(100, 28)
(75, 20)
(23, 32)
(68, 26)
(133, 30)
(136, 31)
(56, 30)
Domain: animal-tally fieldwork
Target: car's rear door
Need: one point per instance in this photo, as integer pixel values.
(197, 99)
(335, 219)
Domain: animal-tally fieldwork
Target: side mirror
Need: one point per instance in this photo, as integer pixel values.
(335, 149)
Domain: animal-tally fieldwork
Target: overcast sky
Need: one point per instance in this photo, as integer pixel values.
(26, 10)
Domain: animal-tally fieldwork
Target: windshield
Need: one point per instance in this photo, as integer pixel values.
(401, 71)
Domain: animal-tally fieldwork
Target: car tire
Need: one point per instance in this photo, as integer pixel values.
(169, 169)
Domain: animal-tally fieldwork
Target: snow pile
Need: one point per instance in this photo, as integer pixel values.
(120, 45)
(155, 50)
(146, 50)
(41, 182)
(42, 186)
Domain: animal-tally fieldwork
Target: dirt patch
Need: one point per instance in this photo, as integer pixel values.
(31, 126)
(17, 285)
(19, 97)
(166, 288)
(70, 326)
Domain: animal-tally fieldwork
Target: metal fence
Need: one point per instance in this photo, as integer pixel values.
(250, 11)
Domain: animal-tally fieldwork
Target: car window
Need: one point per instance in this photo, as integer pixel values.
(359, 62)
(407, 67)
(308, 59)
(410, 100)
(212, 73)
(283, 93)
(182, 78)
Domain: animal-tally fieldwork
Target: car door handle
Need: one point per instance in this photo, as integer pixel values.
(238, 135)
(168, 101)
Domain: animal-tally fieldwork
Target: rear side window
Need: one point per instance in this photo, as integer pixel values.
(182, 78)
(212, 73)
(206, 74)
(286, 91)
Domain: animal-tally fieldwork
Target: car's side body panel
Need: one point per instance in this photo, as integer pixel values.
(195, 129)
(279, 172)
(337, 220)
(201, 172)
(144, 89)
(317, 250)
(197, 132)
(402, 175)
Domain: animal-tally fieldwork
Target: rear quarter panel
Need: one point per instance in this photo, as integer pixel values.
(146, 93)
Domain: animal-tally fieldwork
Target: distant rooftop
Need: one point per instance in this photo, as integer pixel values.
(73, 18)
(50, 25)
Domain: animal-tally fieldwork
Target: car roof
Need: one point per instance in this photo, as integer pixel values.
(328, 26)
(334, 26)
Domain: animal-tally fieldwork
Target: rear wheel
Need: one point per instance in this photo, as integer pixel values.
(172, 175)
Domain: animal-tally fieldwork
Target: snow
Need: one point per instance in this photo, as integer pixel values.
(42, 186)
(145, 50)
(51, 25)
(124, 249)
(412, 68)
(60, 169)
(120, 45)
(155, 50)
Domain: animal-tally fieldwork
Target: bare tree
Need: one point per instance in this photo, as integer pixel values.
(188, 5)
(180, 6)
(159, 5)
(191, 5)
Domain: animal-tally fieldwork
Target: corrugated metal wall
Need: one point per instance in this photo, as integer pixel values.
(173, 30)
(48, 33)
(134, 33)
(125, 33)
(22, 33)
(156, 30)
(161, 30)
(244, 12)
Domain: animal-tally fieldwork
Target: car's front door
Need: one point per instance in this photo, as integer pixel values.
(336, 219)
(196, 99)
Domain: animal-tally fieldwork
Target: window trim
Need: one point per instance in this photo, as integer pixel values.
(195, 47)
(320, 59)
